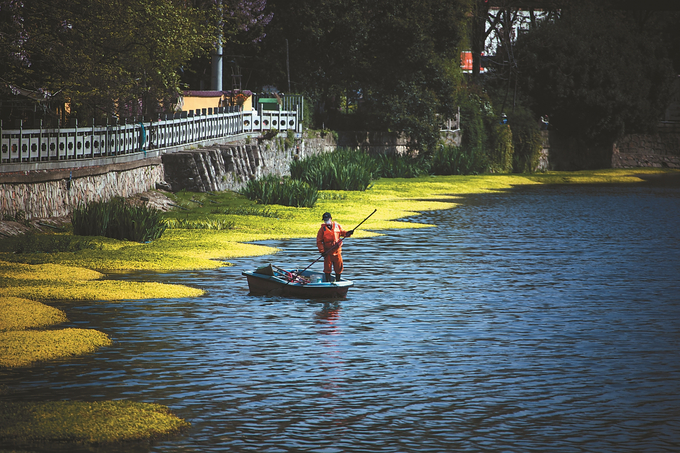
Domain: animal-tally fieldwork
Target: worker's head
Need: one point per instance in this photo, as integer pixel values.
(327, 219)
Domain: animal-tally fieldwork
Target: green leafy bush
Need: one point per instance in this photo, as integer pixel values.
(118, 219)
(284, 191)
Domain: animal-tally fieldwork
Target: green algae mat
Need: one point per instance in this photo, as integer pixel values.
(85, 422)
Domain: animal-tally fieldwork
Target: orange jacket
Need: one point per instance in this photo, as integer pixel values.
(327, 237)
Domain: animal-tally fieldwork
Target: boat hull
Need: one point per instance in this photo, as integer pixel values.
(267, 285)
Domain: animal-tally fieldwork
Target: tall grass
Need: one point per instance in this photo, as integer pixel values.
(454, 160)
(118, 219)
(284, 191)
(200, 224)
(401, 166)
(343, 169)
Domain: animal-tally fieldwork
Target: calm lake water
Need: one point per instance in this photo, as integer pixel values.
(538, 319)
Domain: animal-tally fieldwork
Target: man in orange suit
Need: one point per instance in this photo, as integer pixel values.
(329, 242)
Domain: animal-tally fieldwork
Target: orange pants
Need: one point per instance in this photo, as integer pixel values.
(335, 261)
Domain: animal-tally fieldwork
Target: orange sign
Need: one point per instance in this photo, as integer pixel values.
(466, 62)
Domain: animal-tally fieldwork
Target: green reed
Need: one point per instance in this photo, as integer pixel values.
(284, 191)
(343, 169)
(200, 224)
(454, 160)
(118, 219)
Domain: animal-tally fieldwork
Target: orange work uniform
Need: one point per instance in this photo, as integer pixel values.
(326, 238)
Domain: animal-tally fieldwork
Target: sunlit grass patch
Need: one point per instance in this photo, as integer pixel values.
(23, 424)
(22, 348)
(19, 314)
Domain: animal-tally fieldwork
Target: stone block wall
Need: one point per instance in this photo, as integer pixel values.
(55, 194)
(224, 167)
(44, 194)
(647, 150)
(544, 159)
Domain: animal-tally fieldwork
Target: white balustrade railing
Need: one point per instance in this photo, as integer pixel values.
(21, 145)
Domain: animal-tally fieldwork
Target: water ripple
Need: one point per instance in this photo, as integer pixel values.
(534, 320)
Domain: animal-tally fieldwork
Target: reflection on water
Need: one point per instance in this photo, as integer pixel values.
(542, 319)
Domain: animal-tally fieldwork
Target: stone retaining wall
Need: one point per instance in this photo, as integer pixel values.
(43, 194)
(55, 194)
(647, 150)
(223, 167)
(230, 166)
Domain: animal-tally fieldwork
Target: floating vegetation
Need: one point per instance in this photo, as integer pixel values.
(331, 196)
(29, 273)
(21, 314)
(100, 422)
(59, 282)
(99, 290)
(22, 348)
(198, 224)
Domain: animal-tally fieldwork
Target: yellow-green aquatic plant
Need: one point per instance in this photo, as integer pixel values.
(20, 314)
(23, 424)
(21, 348)
(60, 282)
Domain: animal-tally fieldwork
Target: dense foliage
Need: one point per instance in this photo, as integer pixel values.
(390, 65)
(598, 74)
(393, 63)
(527, 141)
(118, 219)
(107, 58)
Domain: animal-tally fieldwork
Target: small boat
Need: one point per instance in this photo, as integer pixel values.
(271, 280)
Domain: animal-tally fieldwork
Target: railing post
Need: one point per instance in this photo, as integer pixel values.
(117, 139)
(40, 141)
(92, 140)
(20, 152)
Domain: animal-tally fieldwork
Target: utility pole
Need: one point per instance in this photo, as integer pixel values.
(216, 82)
(288, 65)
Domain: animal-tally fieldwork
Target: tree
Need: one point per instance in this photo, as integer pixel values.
(106, 57)
(399, 59)
(597, 75)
